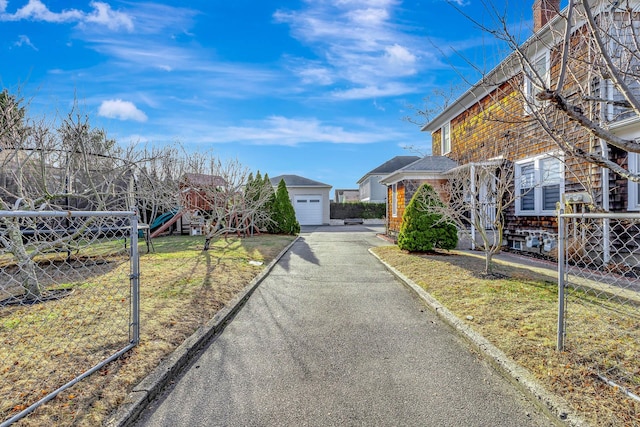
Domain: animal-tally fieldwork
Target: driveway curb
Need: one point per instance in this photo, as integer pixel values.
(554, 406)
(151, 386)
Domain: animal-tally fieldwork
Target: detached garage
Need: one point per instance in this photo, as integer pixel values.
(310, 199)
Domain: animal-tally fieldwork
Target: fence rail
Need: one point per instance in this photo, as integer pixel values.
(69, 301)
(599, 294)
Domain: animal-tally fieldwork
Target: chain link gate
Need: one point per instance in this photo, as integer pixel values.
(69, 301)
(599, 294)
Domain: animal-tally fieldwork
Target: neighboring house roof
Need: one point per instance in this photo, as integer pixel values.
(389, 166)
(297, 181)
(426, 167)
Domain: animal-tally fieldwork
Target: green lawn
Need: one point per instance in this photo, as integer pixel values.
(182, 288)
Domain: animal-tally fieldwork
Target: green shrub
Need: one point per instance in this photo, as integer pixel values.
(424, 230)
(282, 214)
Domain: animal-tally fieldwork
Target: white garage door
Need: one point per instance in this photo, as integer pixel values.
(308, 209)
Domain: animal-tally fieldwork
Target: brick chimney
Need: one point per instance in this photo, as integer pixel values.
(543, 12)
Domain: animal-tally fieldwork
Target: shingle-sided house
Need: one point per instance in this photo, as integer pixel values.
(310, 198)
(402, 184)
(495, 120)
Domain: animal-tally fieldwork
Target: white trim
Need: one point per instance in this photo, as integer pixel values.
(531, 88)
(445, 148)
(629, 129)
(413, 175)
(537, 184)
(394, 200)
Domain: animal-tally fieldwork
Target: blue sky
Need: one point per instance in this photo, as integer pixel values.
(316, 88)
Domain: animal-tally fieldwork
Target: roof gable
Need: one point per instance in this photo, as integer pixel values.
(428, 166)
(296, 181)
(391, 165)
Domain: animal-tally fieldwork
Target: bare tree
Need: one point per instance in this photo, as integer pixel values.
(48, 166)
(223, 197)
(476, 197)
(156, 183)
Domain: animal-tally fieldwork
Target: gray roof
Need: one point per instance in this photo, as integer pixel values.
(431, 164)
(297, 181)
(392, 165)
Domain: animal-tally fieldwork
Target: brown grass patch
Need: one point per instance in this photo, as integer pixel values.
(518, 314)
(182, 288)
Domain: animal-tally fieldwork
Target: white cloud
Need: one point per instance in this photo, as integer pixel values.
(357, 42)
(378, 107)
(368, 92)
(318, 75)
(102, 14)
(286, 131)
(368, 17)
(400, 55)
(24, 41)
(122, 110)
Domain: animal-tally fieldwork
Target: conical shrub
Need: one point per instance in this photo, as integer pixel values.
(423, 229)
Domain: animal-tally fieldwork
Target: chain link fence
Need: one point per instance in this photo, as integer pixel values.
(68, 301)
(599, 295)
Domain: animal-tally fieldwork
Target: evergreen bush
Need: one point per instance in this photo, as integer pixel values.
(283, 214)
(424, 230)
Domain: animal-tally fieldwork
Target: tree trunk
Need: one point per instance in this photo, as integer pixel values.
(488, 264)
(27, 266)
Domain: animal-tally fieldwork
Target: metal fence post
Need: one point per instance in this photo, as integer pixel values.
(135, 282)
(561, 274)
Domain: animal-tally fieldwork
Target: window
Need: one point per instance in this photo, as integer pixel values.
(615, 111)
(550, 183)
(394, 200)
(536, 79)
(445, 147)
(539, 184)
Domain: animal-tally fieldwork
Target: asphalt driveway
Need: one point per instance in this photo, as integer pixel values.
(331, 338)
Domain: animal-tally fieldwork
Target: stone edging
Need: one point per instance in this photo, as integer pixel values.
(555, 407)
(151, 386)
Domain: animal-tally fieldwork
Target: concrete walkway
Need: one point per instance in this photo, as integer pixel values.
(331, 338)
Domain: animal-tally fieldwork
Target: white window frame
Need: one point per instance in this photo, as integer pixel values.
(633, 188)
(445, 138)
(394, 200)
(530, 88)
(538, 184)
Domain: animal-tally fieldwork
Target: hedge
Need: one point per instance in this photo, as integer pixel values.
(358, 210)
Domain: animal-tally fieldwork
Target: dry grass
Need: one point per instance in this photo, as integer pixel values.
(182, 288)
(518, 314)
